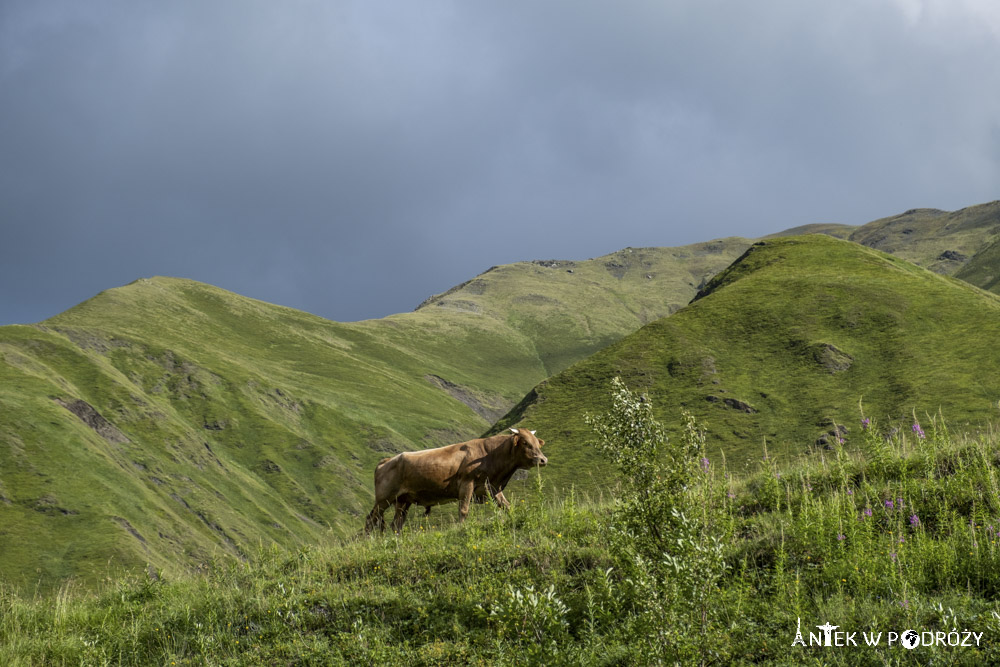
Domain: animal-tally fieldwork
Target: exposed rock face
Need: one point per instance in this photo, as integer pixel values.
(92, 418)
(490, 413)
(831, 358)
(952, 255)
(733, 403)
(837, 434)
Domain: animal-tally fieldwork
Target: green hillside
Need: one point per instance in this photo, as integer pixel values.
(942, 241)
(571, 309)
(168, 420)
(781, 346)
(983, 269)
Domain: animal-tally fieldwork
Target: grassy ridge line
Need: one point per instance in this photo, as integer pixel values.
(570, 309)
(780, 348)
(903, 533)
(941, 241)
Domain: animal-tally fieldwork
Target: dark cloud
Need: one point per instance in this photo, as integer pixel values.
(351, 158)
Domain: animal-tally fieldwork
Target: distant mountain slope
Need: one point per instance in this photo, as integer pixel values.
(983, 269)
(941, 241)
(166, 420)
(570, 309)
(783, 345)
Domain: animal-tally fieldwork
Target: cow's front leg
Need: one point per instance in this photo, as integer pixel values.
(501, 501)
(464, 499)
(402, 507)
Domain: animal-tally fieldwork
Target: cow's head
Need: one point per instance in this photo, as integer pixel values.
(528, 448)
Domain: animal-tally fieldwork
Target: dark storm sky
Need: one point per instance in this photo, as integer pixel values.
(352, 158)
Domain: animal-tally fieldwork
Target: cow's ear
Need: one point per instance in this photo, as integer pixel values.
(540, 442)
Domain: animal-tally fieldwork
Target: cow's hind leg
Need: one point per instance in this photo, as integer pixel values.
(402, 507)
(376, 518)
(464, 500)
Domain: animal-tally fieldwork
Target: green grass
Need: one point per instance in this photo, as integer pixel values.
(798, 330)
(922, 236)
(816, 541)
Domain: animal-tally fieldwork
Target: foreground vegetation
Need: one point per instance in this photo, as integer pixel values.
(691, 563)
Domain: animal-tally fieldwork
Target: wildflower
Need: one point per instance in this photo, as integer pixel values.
(899, 502)
(888, 504)
(868, 511)
(850, 492)
(901, 539)
(841, 536)
(865, 423)
(892, 555)
(919, 431)
(914, 520)
(705, 463)
(731, 495)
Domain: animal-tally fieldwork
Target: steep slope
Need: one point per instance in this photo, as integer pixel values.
(783, 345)
(983, 269)
(167, 420)
(941, 241)
(571, 309)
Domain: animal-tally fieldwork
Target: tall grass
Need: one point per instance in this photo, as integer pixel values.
(898, 529)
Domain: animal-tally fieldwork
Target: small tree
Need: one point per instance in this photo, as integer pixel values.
(669, 550)
(655, 471)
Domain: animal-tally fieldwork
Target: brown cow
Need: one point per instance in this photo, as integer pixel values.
(463, 472)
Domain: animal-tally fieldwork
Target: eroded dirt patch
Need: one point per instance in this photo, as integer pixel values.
(92, 418)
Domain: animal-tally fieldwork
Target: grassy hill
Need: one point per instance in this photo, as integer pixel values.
(946, 242)
(167, 420)
(780, 347)
(899, 537)
(571, 309)
(983, 268)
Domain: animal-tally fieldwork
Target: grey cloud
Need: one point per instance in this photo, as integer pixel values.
(351, 158)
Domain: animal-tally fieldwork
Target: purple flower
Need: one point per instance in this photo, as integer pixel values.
(892, 555)
(841, 536)
(731, 495)
(919, 431)
(705, 463)
(865, 423)
(914, 520)
(888, 504)
(901, 539)
(850, 492)
(899, 503)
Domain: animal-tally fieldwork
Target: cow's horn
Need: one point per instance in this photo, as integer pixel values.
(532, 433)
(513, 430)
